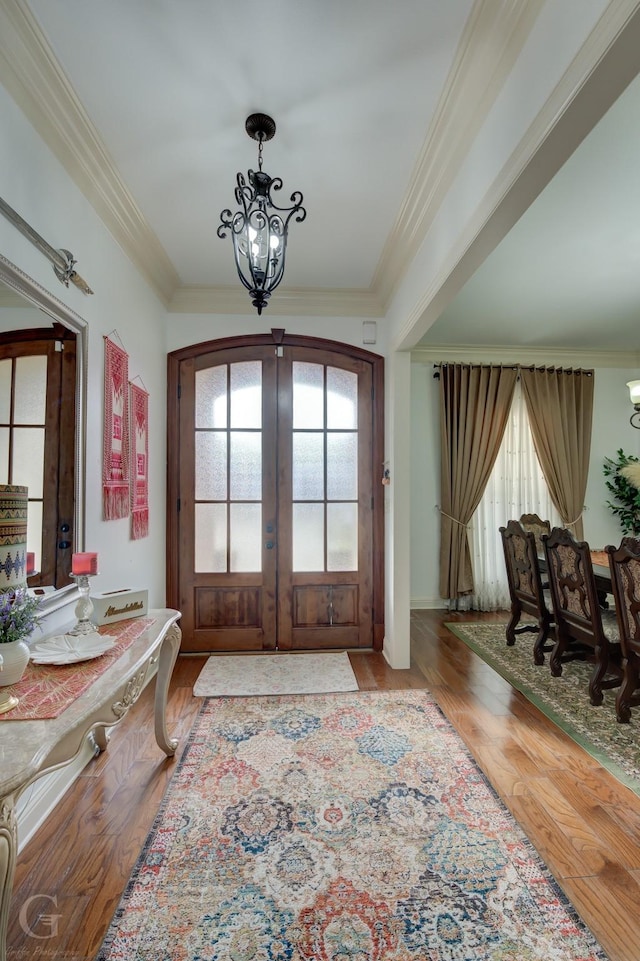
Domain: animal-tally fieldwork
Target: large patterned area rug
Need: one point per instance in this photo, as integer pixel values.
(563, 699)
(338, 827)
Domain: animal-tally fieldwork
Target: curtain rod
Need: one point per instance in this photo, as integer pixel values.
(62, 261)
(541, 367)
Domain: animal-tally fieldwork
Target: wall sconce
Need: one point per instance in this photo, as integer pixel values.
(634, 393)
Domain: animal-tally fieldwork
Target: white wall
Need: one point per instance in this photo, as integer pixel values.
(17, 318)
(489, 170)
(425, 487)
(398, 512)
(186, 329)
(611, 430)
(39, 189)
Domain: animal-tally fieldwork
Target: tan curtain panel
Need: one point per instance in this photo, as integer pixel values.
(474, 407)
(560, 407)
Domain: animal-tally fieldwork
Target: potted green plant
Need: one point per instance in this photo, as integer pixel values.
(18, 620)
(623, 483)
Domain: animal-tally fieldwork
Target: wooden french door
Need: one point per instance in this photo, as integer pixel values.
(37, 440)
(275, 533)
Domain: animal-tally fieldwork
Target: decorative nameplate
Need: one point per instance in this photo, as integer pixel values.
(112, 606)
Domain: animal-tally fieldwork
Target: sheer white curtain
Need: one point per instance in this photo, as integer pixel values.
(516, 486)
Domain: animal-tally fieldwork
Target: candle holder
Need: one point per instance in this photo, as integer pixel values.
(84, 607)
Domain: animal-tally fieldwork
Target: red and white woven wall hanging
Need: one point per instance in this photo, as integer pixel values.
(115, 450)
(139, 486)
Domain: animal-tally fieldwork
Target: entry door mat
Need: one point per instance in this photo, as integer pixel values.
(564, 699)
(338, 826)
(265, 674)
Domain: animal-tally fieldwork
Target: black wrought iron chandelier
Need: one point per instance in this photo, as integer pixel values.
(259, 229)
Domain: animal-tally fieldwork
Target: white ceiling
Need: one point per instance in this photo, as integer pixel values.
(352, 87)
(568, 273)
(161, 90)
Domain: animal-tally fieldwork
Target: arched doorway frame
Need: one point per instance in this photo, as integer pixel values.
(280, 338)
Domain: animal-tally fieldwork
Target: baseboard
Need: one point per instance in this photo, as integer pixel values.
(428, 604)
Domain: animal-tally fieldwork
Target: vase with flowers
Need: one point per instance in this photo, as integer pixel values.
(18, 620)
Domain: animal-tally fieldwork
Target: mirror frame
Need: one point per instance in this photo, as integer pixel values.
(32, 291)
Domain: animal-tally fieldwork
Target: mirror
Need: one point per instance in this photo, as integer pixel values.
(19, 295)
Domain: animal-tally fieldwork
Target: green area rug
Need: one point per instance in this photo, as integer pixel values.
(338, 827)
(564, 699)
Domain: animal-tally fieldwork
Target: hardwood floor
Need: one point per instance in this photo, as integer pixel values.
(585, 824)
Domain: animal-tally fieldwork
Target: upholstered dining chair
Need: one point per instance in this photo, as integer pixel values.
(525, 589)
(624, 564)
(538, 527)
(583, 630)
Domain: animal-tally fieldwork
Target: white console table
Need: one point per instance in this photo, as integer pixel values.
(29, 749)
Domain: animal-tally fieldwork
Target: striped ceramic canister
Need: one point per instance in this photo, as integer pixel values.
(13, 537)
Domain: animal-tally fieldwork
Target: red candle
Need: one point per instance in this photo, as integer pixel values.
(31, 562)
(86, 563)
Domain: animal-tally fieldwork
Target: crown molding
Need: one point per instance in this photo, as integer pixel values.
(37, 83)
(522, 354)
(289, 301)
(609, 58)
(32, 75)
(472, 86)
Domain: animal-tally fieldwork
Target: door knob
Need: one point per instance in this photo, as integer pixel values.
(269, 545)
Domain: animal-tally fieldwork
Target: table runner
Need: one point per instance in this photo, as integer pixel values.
(600, 557)
(46, 690)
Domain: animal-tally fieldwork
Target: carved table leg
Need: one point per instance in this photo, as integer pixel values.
(101, 738)
(8, 853)
(168, 654)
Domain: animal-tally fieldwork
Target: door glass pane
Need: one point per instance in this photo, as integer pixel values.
(308, 467)
(342, 466)
(5, 391)
(4, 455)
(246, 394)
(211, 397)
(30, 398)
(34, 531)
(308, 537)
(246, 537)
(342, 399)
(211, 465)
(342, 537)
(246, 466)
(308, 396)
(211, 538)
(28, 458)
